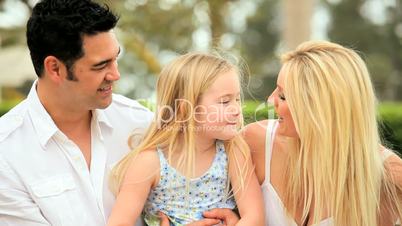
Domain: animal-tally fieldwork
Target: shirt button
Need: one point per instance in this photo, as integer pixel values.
(77, 158)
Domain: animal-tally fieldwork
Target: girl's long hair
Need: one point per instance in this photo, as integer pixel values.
(179, 88)
(337, 167)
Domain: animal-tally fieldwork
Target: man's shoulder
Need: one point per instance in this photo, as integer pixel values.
(125, 102)
(12, 120)
(128, 111)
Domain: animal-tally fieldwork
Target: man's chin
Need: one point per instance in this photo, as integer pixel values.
(104, 104)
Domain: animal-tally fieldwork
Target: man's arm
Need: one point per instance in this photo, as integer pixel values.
(16, 205)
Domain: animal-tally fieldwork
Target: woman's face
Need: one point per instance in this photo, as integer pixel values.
(286, 125)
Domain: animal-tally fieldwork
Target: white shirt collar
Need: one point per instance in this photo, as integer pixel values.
(44, 125)
(100, 118)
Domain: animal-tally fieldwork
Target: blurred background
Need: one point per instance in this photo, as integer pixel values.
(153, 32)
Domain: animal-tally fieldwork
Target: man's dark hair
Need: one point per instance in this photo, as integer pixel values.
(56, 28)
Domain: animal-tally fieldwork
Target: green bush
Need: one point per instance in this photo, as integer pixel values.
(391, 124)
(254, 111)
(7, 105)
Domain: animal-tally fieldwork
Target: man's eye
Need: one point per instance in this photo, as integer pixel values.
(100, 67)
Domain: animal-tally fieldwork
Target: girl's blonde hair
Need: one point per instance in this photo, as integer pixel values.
(337, 168)
(179, 88)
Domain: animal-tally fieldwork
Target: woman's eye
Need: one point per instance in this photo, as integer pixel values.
(282, 97)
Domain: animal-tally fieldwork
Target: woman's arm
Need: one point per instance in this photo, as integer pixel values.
(254, 135)
(141, 176)
(393, 166)
(246, 190)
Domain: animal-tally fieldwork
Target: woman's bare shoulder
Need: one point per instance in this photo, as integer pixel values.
(255, 129)
(393, 164)
(254, 134)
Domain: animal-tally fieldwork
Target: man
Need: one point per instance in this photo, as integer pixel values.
(58, 145)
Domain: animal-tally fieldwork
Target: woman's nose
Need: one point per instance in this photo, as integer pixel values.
(272, 98)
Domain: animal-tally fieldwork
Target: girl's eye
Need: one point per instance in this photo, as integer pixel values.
(224, 102)
(282, 97)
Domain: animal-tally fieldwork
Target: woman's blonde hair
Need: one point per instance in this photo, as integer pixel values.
(179, 88)
(337, 168)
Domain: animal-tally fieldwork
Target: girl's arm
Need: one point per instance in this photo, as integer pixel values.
(248, 197)
(142, 175)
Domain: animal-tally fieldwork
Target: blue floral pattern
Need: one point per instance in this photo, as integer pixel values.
(184, 203)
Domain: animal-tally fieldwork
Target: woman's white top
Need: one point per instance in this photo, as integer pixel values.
(275, 212)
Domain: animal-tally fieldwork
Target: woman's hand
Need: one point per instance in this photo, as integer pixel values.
(226, 216)
(212, 217)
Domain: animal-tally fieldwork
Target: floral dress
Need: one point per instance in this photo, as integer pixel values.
(184, 201)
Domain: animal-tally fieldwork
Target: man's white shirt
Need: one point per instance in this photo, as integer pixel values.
(44, 178)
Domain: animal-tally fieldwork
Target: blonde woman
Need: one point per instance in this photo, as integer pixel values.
(321, 162)
(192, 152)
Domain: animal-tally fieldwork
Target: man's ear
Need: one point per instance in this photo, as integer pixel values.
(54, 69)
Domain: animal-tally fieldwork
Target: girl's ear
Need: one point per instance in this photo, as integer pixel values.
(184, 109)
(54, 69)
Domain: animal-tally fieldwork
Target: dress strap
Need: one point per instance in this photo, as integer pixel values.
(162, 160)
(268, 148)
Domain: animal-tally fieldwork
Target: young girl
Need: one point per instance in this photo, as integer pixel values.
(192, 158)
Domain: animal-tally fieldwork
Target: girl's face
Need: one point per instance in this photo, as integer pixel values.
(218, 111)
(286, 125)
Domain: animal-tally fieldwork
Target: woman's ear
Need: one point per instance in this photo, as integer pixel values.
(54, 69)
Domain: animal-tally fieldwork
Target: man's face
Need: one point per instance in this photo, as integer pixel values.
(94, 73)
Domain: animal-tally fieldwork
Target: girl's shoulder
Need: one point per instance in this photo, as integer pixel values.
(144, 166)
(148, 155)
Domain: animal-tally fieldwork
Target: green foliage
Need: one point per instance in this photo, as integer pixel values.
(255, 111)
(378, 42)
(391, 121)
(148, 104)
(6, 106)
